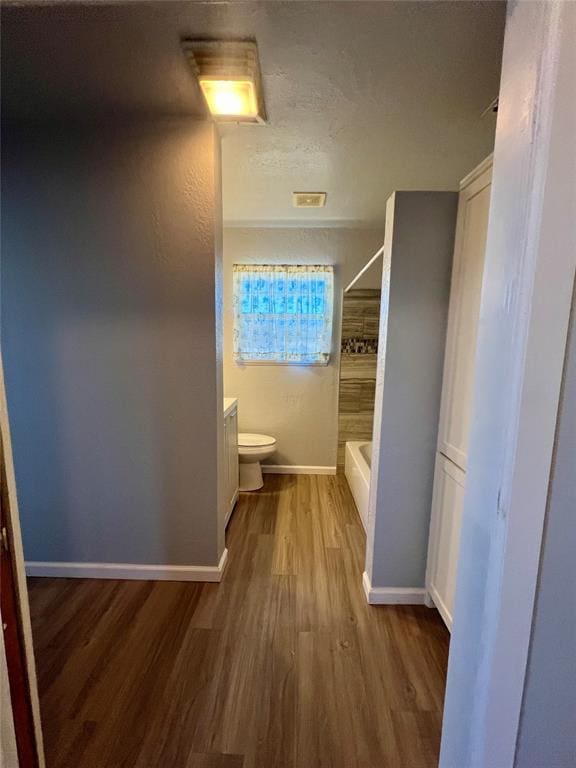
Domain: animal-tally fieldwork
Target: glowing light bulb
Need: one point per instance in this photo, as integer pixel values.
(230, 98)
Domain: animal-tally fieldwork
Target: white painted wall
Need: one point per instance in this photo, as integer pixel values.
(296, 404)
(110, 250)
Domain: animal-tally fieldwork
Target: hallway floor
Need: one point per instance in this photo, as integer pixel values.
(282, 665)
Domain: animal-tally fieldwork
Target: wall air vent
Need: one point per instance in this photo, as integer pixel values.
(308, 199)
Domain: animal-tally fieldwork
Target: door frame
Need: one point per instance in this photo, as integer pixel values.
(525, 311)
(15, 610)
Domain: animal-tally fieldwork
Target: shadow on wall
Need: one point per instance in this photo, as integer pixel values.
(108, 335)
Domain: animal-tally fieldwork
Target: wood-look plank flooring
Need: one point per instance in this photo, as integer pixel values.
(282, 665)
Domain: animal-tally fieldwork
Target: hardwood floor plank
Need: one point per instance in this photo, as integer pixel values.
(215, 761)
(281, 665)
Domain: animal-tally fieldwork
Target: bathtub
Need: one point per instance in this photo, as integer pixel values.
(357, 462)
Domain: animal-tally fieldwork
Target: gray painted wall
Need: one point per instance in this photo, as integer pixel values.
(415, 293)
(548, 720)
(296, 404)
(109, 254)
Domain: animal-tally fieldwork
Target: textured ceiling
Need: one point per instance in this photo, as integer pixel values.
(362, 97)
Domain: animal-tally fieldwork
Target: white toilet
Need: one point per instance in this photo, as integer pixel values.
(252, 449)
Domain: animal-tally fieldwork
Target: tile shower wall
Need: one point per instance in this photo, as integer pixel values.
(359, 352)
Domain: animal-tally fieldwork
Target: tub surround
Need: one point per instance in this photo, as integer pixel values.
(357, 463)
(359, 353)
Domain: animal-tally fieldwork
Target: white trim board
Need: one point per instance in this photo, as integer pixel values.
(294, 469)
(392, 595)
(136, 571)
(13, 519)
(477, 171)
(440, 606)
(303, 223)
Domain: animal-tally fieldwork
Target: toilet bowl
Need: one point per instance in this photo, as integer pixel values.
(252, 449)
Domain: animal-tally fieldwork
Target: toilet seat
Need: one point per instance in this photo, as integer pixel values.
(254, 440)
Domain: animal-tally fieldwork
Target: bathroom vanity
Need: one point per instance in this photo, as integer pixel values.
(231, 476)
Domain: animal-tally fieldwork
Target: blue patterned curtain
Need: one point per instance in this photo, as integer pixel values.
(283, 313)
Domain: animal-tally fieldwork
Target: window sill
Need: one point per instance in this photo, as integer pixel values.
(245, 363)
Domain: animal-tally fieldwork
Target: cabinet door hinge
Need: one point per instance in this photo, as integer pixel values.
(4, 538)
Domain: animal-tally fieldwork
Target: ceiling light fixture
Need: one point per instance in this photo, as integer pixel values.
(229, 75)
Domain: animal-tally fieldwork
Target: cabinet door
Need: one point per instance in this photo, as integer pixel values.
(458, 382)
(233, 457)
(231, 461)
(445, 526)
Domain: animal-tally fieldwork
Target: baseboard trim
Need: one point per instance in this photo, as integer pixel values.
(440, 605)
(129, 571)
(293, 469)
(392, 595)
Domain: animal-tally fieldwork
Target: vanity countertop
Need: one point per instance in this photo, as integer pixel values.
(229, 404)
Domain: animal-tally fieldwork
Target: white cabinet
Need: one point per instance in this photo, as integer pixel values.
(231, 456)
(467, 271)
(458, 388)
(445, 530)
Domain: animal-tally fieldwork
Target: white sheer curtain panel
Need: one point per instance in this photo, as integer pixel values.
(283, 313)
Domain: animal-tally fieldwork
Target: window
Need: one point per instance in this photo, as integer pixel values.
(283, 313)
